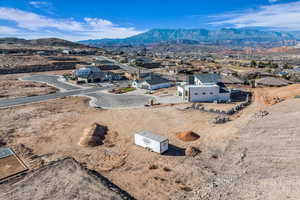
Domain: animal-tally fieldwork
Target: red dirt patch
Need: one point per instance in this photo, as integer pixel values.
(187, 136)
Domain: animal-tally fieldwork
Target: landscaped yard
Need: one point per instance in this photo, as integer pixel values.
(122, 90)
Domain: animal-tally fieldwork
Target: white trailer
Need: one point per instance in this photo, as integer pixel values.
(156, 143)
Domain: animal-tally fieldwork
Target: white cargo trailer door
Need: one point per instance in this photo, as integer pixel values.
(164, 146)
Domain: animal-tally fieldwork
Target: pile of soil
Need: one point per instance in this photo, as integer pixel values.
(272, 100)
(192, 151)
(93, 135)
(187, 136)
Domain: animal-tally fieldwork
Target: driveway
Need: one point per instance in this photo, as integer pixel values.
(105, 100)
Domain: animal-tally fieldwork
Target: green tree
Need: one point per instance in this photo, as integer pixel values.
(253, 63)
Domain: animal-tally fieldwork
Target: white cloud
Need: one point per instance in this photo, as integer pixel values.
(4, 30)
(32, 21)
(89, 28)
(39, 4)
(280, 16)
(106, 29)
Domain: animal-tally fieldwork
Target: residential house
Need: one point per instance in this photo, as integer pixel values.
(152, 82)
(145, 62)
(272, 82)
(206, 88)
(90, 74)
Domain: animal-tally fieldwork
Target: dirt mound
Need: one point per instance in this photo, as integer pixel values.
(93, 135)
(187, 136)
(192, 151)
(272, 100)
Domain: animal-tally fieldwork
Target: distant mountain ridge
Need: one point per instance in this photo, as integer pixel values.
(42, 42)
(194, 36)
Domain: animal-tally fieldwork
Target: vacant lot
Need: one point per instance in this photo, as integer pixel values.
(262, 162)
(239, 160)
(53, 129)
(267, 96)
(14, 61)
(11, 87)
(9, 166)
(61, 180)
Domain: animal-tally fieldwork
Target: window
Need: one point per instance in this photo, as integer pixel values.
(211, 93)
(204, 93)
(196, 93)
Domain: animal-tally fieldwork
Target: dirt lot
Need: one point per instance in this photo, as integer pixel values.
(53, 129)
(64, 179)
(11, 87)
(271, 95)
(11, 61)
(262, 162)
(9, 166)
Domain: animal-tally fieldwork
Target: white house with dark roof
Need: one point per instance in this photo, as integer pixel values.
(90, 74)
(152, 82)
(206, 88)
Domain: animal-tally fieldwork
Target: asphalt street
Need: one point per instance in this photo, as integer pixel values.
(34, 99)
(100, 99)
(51, 80)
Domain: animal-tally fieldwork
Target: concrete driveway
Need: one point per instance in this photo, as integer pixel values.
(104, 100)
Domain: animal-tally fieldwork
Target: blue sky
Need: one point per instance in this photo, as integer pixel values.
(92, 19)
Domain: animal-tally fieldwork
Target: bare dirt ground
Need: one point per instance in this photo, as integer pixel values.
(9, 166)
(53, 129)
(11, 87)
(12, 61)
(262, 162)
(64, 179)
(271, 95)
(239, 159)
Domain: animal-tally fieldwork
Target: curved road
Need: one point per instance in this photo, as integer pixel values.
(99, 98)
(51, 80)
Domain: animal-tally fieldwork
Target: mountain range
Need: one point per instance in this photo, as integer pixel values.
(235, 37)
(53, 42)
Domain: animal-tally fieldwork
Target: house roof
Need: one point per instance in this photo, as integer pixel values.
(208, 78)
(4, 152)
(228, 71)
(271, 81)
(154, 80)
(231, 80)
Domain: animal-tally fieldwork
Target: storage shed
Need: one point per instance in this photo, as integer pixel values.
(156, 143)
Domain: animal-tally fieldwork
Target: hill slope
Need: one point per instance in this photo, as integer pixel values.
(222, 36)
(54, 42)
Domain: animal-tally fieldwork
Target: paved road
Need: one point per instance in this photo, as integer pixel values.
(100, 99)
(51, 80)
(105, 100)
(34, 99)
